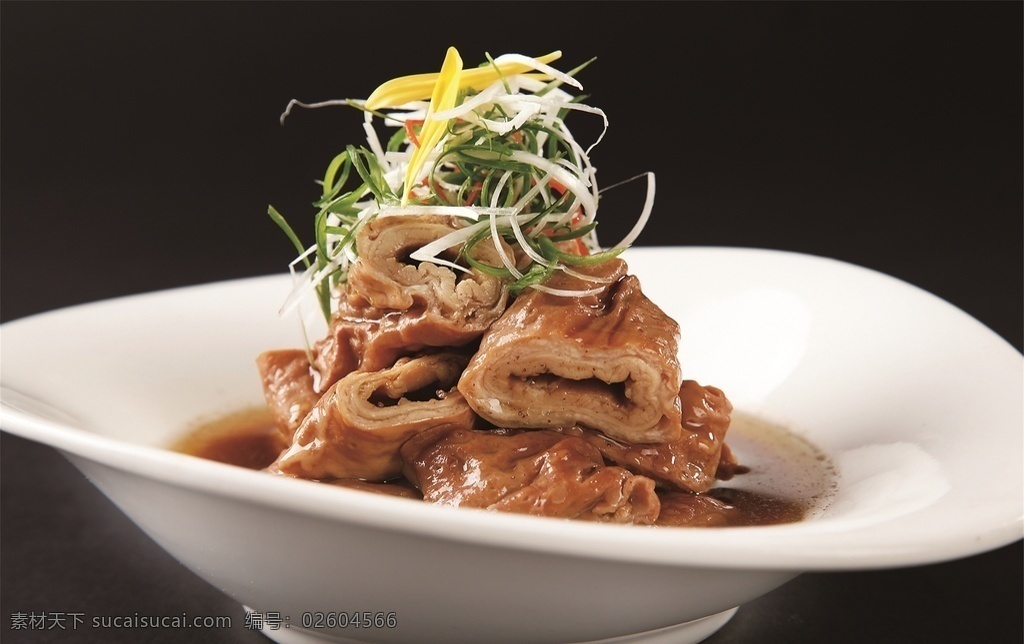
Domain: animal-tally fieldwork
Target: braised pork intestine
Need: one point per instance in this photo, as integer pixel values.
(541, 403)
(392, 306)
(607, 360)
(537, 472)
(357, 427)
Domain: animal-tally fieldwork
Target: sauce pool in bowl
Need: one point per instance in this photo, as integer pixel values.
(782, 478)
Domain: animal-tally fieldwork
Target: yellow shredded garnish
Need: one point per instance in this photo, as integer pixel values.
(446, 92)
(418, 87)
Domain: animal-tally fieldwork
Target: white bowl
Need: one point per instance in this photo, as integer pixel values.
(918, 405)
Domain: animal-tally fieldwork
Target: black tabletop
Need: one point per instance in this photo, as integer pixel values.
(141, 147)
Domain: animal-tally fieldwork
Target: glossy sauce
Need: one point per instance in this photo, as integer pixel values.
(247, 438)
(783, 478)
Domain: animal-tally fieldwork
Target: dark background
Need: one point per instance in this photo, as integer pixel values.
(141, 147)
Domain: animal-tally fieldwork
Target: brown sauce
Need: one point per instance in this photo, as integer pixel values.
(782, 478)
(247, 438)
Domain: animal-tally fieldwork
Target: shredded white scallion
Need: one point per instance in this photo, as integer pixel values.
(645, 214)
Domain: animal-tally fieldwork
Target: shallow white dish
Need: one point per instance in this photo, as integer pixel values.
(909, 397)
